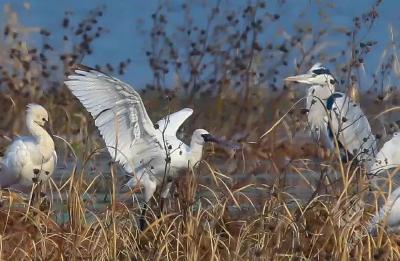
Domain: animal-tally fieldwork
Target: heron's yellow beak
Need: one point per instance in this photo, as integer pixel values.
(301, 78)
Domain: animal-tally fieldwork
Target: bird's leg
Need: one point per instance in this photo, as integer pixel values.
(35, 198)
(44, 202)
(164, 195)
(149, 189)
(35, 201)
(162, 200)
(36, 195)
(1, 198)
(105, 197)
(142, 218)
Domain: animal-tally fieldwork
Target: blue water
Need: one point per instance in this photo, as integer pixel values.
(126, 38)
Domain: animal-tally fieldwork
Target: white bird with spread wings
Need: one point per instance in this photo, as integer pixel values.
(150, 152)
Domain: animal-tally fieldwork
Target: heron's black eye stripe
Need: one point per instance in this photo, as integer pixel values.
(321, 71)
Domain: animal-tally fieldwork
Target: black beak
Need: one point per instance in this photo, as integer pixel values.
(220, 141)
(209, 138)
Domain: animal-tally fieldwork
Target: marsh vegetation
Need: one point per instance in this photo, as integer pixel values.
(281, 196)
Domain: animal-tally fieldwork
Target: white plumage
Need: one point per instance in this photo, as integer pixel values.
(388, 215)
(387, 158)
(389, 155)
(29, 159)
(151, 153)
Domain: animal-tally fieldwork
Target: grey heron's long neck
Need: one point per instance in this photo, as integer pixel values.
(42, 137)
(196, 152)
(316, 104)
(322, 91)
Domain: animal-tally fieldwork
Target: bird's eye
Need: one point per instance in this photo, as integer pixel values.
(43, 119)
(332, 81)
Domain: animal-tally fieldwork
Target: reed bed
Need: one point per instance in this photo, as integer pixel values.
(280, 197)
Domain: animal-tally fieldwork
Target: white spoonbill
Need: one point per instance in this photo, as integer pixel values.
(387, 158)
(30, 159)
(150, 152)
(388, 215)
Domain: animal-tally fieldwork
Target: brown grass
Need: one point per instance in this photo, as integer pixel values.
(281, 197)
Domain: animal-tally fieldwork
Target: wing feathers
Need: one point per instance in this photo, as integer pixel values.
(171, 123)
(353, 127)
(118, 111)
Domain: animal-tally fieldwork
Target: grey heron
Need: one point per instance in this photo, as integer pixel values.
(29, 159)
(322, 86)
(151, 153)
(334, 113)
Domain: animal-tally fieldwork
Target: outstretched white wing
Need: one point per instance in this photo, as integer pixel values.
(352, 127)
(170, 124)
(119, 114)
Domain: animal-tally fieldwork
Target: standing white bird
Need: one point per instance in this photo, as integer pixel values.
(389, 214)
(388, 158)
(333, 113)
(151, 152)
(30, 159)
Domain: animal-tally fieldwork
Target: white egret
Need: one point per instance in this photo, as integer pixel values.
(30, 159)
(150, 152)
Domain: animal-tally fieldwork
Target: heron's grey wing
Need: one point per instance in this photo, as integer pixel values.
(326, 138)
(352, 128)
(119, 114)
(389, 155)
(170, 124)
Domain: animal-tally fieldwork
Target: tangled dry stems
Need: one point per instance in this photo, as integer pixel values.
(241, 206)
